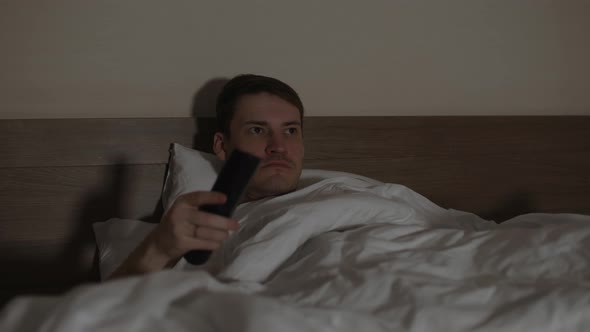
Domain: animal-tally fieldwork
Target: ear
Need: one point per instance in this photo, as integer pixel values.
(219, 146)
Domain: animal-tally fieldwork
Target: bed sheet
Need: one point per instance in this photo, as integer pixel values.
(350, 254)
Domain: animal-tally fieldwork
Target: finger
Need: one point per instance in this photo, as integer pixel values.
(212, 234)
(200, 218)
(199, 244)
(194, 230)
(199, 198)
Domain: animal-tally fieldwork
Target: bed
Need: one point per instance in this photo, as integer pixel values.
(60, 176)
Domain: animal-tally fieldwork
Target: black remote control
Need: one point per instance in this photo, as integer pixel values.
(231, 181)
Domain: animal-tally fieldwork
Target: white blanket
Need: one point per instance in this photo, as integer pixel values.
(350, 254)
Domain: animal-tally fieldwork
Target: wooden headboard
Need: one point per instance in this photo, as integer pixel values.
(60, 176)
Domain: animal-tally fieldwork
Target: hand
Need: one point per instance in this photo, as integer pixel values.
(184, 227)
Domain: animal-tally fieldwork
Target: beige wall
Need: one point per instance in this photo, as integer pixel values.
(148, 58)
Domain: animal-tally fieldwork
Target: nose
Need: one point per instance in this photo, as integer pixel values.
(275, 144)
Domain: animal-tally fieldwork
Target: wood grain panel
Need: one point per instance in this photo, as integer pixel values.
(407, 137)
(497, 167)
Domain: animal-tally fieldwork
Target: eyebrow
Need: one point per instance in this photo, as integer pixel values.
(264, 123)
(292, 123)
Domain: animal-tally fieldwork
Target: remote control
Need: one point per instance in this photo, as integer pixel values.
(231, 181)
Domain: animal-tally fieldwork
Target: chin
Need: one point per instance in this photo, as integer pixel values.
(276, 184)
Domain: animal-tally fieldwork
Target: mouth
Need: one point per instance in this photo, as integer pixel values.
(277, 163)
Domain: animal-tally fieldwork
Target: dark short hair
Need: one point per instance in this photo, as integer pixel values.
(249, 84)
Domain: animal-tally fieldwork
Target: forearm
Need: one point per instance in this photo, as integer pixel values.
(144, 259)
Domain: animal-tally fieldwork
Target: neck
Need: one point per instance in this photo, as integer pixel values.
(252, 195)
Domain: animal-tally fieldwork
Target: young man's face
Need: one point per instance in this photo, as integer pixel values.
(268, 127)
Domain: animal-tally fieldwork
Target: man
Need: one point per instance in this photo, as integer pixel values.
(256, 114)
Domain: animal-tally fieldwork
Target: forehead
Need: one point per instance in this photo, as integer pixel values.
(264, 107)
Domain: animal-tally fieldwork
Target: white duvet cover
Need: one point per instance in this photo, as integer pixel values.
(349, 254)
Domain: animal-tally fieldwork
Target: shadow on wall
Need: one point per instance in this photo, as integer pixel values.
(203, 112)
(110, 200)
(77, 260)
(99, 204)
(510, 207)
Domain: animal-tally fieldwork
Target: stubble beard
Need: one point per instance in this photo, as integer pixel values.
(275, 184)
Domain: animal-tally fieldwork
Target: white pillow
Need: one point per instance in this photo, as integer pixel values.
(188, 170)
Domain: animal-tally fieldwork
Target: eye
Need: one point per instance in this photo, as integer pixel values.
(256, 130)
(292, 131)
